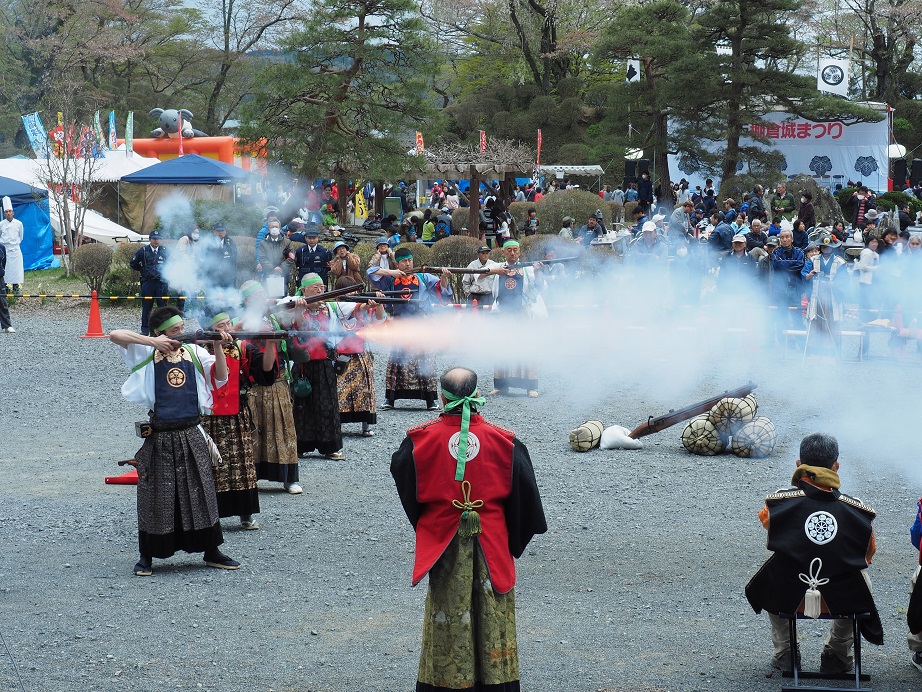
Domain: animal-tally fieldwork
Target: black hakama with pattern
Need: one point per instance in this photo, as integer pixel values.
(317, 421)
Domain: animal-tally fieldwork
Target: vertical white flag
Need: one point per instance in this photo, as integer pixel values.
(633, 71)
(832, 76)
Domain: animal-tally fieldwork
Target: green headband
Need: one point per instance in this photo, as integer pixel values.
(251, 289)
(511, 243)
(217, 318)
(175, 319)
(310, 281)
(403, 257)
(452, 402)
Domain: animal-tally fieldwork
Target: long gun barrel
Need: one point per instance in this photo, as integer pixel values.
(453, 270)
(558, 260)
(372, 294)
(208, 335)
(382, 301)
(654, 425)
(319, 298)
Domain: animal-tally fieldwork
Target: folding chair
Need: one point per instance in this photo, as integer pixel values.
(798, 674)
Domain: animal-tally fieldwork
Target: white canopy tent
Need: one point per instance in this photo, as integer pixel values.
(95, 226)
(110, 169)
(564, 171)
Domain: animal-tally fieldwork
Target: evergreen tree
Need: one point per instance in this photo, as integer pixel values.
(738, 76)
(351, 92)
(650, 103)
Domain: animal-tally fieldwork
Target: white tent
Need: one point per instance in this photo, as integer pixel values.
(110, 169)
(564, 171)
(95, 226)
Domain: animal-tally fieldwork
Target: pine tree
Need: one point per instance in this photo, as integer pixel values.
(657, 35)
(747, 78)
(351, 91)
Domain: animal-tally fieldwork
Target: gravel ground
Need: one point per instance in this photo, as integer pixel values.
(638, 584)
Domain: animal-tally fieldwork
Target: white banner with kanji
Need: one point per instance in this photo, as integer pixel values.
(831, 152)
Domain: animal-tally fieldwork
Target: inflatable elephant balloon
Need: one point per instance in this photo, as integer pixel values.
(169, 123)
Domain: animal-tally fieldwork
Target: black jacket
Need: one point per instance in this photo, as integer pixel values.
(756, 207)
(149, 263)
(313, 262)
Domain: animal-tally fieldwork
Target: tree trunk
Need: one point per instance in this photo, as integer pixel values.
(734, 101)
(473, 223)
(660, 131)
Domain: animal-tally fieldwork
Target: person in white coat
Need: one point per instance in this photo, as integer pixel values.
(11, 235)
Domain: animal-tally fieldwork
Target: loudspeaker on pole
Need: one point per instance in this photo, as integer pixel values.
(915, 176)
(899, 173)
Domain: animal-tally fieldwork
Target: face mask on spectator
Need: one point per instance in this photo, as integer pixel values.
(274, 232)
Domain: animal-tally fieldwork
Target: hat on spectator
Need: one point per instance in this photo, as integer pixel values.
(381, 241)
(219, 226)
(772, 240)
(569, 219)
(311, 232)
(871, 215)
(483, 248)
(738, 238)
(827, 239)
(155, 234)
(648, 227)
(338, 244)
(658, 217)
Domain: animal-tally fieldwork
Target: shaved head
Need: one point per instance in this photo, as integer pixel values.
(459, 381)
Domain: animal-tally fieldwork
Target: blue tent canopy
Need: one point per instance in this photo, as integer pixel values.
(190, 169)
(30, 206)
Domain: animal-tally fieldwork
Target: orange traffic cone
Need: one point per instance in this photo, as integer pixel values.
(94, 327)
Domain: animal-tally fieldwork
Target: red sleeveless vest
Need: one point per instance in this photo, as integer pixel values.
(226, 400)
(489, 471)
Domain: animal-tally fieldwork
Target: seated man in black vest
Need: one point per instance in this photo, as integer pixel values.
(817, 534)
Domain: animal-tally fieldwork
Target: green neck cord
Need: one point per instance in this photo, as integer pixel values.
(464, 402)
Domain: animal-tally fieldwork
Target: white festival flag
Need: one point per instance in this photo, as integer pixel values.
(832, 76)
(633, 71)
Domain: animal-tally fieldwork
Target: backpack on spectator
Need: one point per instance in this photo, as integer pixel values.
(442, 229)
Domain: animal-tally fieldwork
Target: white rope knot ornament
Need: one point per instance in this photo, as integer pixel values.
(813, 600)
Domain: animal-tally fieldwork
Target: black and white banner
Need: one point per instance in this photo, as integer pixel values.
(832, 76)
